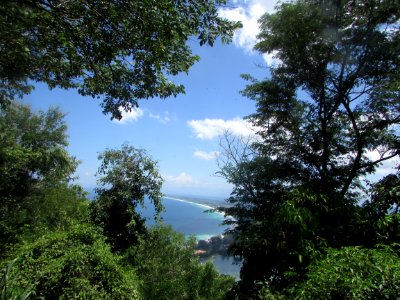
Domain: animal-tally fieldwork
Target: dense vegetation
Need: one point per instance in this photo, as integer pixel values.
(58, 244)
(331, 101)
(306, 226)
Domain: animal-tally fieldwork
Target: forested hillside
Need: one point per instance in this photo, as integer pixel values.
(56, 243)
(304, 220)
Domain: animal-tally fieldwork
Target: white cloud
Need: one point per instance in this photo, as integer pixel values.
(130, 116)
(208, 129)
(249, 12)
(387, 166)
(206, 155)
(270, 58)
(163, 119)
(136, 113)
(182, 179)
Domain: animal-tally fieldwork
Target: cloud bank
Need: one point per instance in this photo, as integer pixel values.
(206, 155)
(130, 116)
(136, 113)
(387, 167)
(209, 129)
(249, 12)
(163, 119)
(182, 179)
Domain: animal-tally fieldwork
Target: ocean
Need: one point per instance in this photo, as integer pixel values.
(192, 217)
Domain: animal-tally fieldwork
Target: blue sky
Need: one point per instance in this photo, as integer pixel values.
(175, 131)
(180, 133)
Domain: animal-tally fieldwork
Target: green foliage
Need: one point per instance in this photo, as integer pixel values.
(70, 264)
(130, 173)
(126, 177)
(345, 68)
(33, 148)
(121, 51)
(385, 195)
(60, 259)
(166, 263)
(35, 171)
(6, 282)
(353, 273)
(288, 228)
(382, 210)
(55, 208)
(331, 99)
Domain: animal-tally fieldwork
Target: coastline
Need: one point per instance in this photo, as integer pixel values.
(208, 207)
(210, 245)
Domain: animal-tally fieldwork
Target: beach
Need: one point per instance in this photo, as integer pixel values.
(193, 218)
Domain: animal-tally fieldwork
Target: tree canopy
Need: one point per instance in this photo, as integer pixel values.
(126, 177)
(120, 51)
(334, 96)
(34, 167)
(328, 115)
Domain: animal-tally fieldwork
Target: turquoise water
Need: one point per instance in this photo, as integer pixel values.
(191, 218)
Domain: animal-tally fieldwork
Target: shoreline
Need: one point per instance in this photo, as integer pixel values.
(214, 210)
(213, 246)
(209, 207)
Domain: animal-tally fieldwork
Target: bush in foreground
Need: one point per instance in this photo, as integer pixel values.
(354, 273)
(72, 264)
(348, 273)
(166, 263)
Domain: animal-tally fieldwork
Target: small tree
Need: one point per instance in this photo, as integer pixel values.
(126, 177)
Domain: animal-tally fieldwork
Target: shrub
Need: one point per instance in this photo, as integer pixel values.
(353, 273)
(72, 264)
